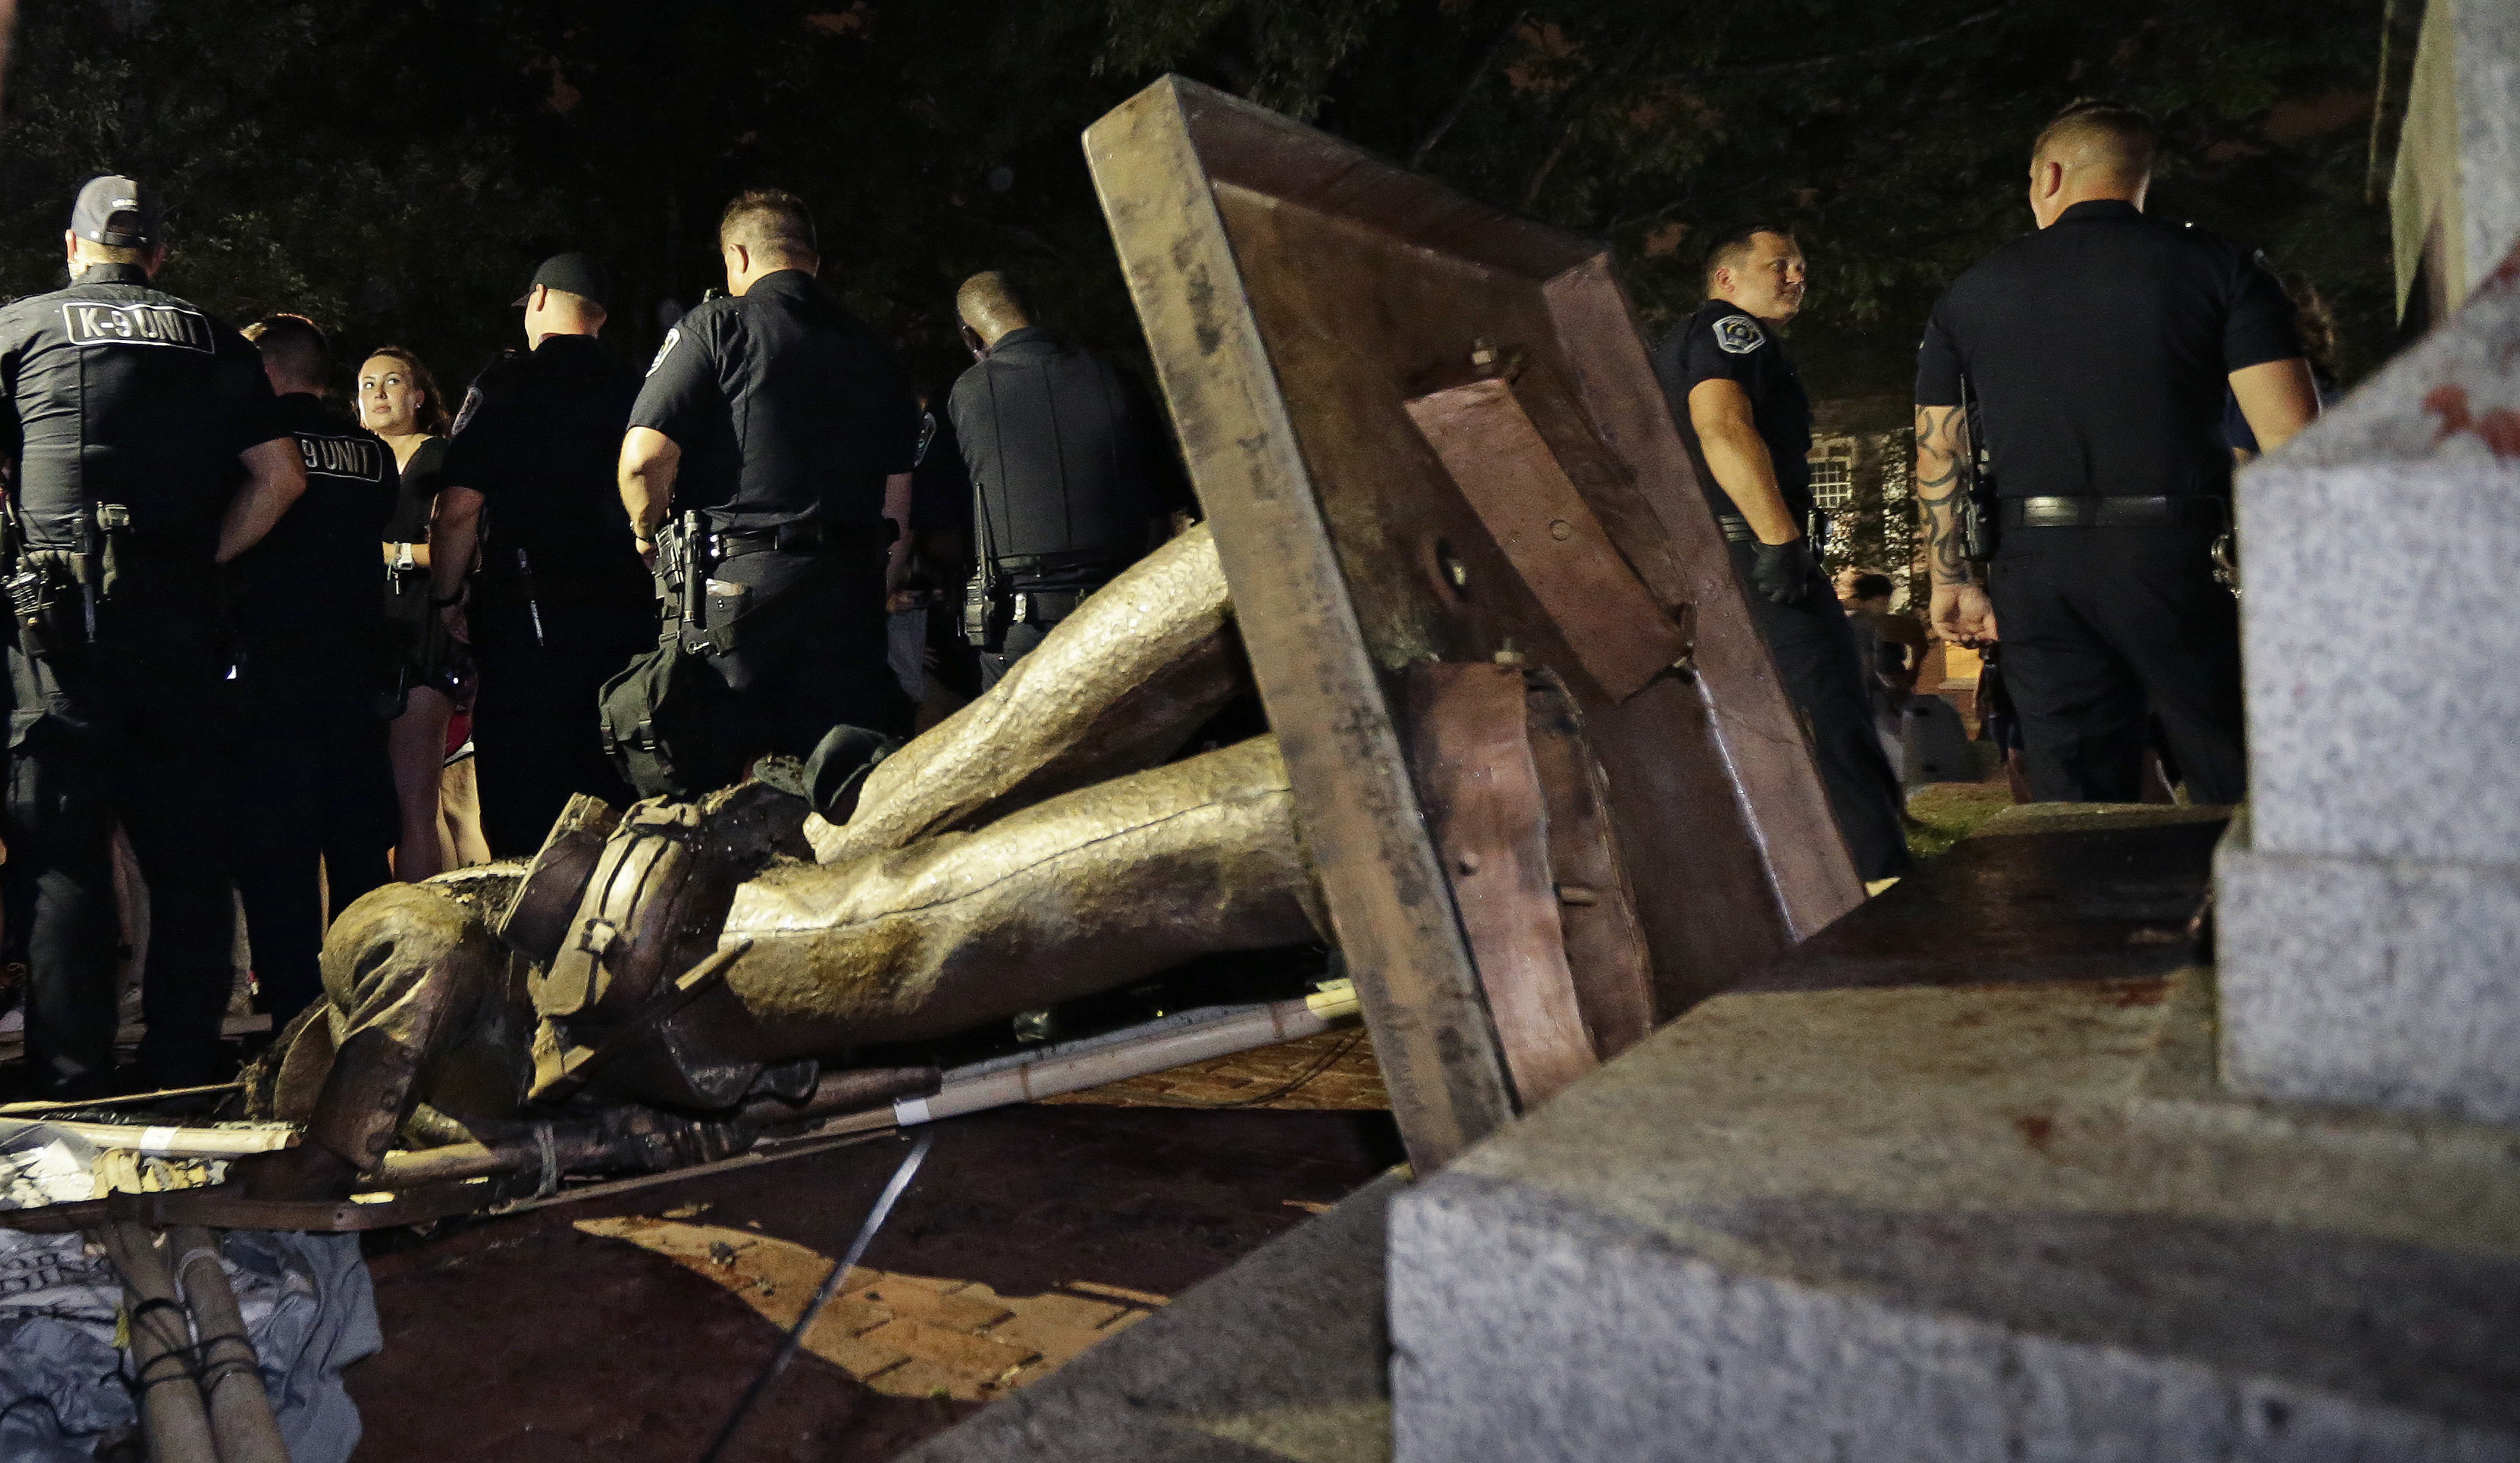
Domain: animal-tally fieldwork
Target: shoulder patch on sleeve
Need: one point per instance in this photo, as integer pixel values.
(671, 338)
(1740, 335)
(464, 415)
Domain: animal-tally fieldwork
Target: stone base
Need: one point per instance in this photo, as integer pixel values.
(2369, 981)
(1956, 1220)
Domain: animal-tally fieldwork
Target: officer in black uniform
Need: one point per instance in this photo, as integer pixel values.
(1068, 472)
(2096, 353)
(1742, 414)
(786, 430)
(940, 555)
(310, 625)
(129, 413)
(560, 601)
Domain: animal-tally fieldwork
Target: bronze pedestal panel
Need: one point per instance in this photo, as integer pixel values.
(1298, 297)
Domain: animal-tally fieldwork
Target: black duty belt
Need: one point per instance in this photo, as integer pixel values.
(800, 538)
(1047, 606)
(2113, 512)
(1065, 561)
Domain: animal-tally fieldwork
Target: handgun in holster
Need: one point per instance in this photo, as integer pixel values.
(698, 610)
(673, 548)
(28, 608)
(25, 584)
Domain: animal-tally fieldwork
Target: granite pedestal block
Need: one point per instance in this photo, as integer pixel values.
(2370, 911)
(1991, 1209)
(2378, 981)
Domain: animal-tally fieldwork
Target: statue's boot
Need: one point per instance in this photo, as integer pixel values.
(1116, 687)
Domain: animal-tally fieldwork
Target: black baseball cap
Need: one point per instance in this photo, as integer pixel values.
(116, 211)
(578, 274)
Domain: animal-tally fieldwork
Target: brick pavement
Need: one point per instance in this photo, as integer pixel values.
(1334, 1071)
(527, 1339)
(905, 1336)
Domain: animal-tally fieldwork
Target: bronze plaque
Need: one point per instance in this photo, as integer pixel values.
(1298, 297)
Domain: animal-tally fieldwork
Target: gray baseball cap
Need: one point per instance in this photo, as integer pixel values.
(116, 212)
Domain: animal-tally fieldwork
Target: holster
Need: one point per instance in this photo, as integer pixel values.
(1981, 525)
(44, 600)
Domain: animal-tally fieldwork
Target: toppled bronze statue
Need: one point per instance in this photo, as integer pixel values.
(1034, 848)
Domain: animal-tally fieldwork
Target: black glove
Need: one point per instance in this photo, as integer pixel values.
(1783, 572)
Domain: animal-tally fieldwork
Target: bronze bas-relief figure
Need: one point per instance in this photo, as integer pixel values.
(1034, 848)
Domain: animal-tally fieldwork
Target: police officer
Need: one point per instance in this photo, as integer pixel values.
(1067, 469)
(2096, 353)
(561, 602)
(310, 628)
(788, 430)
(130, 412)
(1741, 413)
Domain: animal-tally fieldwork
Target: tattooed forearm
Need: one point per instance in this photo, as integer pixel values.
(1942, 454)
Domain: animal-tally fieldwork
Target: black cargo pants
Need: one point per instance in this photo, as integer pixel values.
(810, 654)
(1824, 675)
(2099, 623)
(537, 723)
(314, 793)
(133, 728)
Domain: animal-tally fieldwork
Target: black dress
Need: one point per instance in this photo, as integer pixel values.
(424, 654)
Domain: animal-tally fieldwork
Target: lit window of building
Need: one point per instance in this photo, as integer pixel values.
(1832, 481)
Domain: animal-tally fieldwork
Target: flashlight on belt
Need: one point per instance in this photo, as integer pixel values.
(533, 606)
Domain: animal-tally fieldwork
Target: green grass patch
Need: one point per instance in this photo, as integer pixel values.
(1945, 812)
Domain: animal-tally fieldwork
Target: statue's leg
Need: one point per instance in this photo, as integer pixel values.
(1081, 894)
(1116, 687)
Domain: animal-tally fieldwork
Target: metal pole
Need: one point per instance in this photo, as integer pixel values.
(831, 1287)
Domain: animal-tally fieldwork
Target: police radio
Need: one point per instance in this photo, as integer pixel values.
(1980, 521)
(975, 611)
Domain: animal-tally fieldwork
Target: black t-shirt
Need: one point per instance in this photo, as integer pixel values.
(1063, 448)
(940, 486)
(115, 392)
(313, 581)
(1723, 343)
(787, 408)
(2099, 350)
(539, 438)
(416, 493)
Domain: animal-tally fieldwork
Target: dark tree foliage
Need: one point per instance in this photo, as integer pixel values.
(394, 169)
